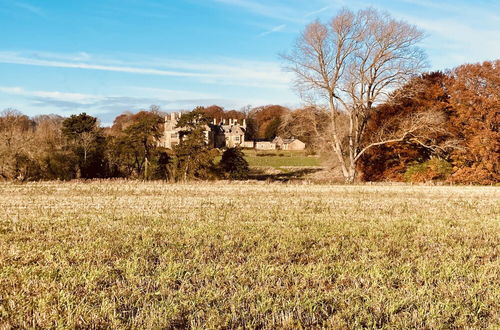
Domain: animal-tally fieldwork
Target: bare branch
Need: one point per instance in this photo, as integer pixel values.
(352, 64)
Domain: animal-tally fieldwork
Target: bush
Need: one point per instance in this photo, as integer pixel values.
(433, 169)
(161, 166)
(234, 164)
(60, 165)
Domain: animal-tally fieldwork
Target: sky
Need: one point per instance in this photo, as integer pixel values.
(104, 57)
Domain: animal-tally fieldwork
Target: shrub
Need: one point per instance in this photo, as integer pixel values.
(432, 169)
(234, 164)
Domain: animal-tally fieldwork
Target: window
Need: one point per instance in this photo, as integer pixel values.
(237, 138)
(174, 136)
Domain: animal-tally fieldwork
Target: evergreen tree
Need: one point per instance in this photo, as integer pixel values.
(86, 141)
(234, 164)
(194, 156)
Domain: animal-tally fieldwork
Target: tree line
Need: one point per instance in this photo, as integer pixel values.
(50, 147)
(448, 120)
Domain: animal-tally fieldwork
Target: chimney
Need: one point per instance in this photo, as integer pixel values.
(172, 116)
(214, 121)
(244, 123)
(223, 122)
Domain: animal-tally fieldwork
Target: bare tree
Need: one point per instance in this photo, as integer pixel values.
(87, 142)
(17, 150)
(348, 66)
(307, 124)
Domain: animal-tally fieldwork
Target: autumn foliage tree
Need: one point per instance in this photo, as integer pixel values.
(218, 113)
(56, 160)
(475, 100)
(17, 149)
(466, 136)
(34, 148)
(425, 95)
(267, 120)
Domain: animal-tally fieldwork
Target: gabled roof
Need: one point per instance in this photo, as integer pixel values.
(279, 139)
(232, 129)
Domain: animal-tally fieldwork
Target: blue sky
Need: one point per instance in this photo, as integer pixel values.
(109, 56)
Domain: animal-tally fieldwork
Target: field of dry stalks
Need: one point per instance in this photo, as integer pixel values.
(227, 255)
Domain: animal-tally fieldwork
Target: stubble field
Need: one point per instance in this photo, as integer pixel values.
(227, 255)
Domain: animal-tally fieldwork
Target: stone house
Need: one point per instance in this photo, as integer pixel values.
(217, 135)
(265, 145)
(289, 144)
(248, 144)
(230, 134)
(171, 134)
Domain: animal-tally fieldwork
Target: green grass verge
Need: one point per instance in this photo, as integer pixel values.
(278, 158)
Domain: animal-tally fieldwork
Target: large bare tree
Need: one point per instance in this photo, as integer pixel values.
(348, 66)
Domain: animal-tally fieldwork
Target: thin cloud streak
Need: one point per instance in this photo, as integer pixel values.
(319, 11)
(85, 99)
(456, 42)
(273, 30)
(59, 64)
(107, 107)
(73, 97)
(241, 73)
(30, 8)
(265, 10)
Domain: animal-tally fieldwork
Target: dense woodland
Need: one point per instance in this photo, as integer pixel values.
(455, 138)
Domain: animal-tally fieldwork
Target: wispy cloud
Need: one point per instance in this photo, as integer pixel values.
(273, 30)
(463, 12)
(453, 40)
(234, 72)
(319, 11)
(14, 58)
(170, 94)
(30, 8)
(107, 107)
(83, 99)
(104, 107)
(71, 97)
(284, 13)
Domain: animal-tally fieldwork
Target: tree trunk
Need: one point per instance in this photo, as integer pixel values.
(351, 176)
(186, 170)
(337, 147)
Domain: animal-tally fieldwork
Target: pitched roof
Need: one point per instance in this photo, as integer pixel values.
(278, 139)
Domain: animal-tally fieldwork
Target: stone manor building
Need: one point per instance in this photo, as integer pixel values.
(218, 134)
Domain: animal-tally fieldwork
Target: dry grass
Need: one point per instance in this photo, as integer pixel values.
(150, 255)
